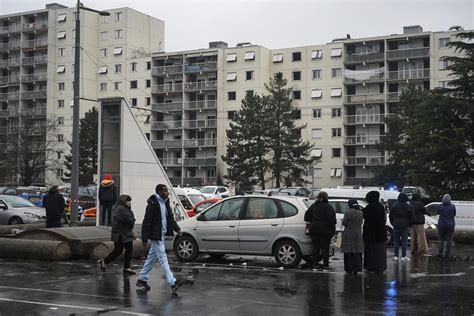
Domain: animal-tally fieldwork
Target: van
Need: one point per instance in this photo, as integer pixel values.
(189, 197)
(386, 196)
(464, 214)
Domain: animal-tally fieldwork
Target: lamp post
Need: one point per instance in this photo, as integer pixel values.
(76, 112)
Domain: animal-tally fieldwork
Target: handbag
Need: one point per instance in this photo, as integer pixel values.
(339, 240)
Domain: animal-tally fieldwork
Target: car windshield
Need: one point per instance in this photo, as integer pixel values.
(410, 190)
(196, 198)
(16, 201)
(207, 190)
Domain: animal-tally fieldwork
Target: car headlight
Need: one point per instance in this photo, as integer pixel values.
(31, 215)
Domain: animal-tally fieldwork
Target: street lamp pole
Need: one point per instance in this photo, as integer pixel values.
(76, 113)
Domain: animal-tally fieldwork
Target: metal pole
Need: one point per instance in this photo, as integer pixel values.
(75, 122)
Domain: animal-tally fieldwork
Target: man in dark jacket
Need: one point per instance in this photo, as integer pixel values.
(123, 222)
(54, 204)
(446, 224)
(322, 219)
(419, 246)
(107, 199)
(401, 217)
(158, 223)
(374, 234)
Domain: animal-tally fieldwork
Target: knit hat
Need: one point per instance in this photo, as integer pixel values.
(107, 177)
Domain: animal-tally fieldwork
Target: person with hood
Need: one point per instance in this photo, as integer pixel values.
(352, 243)
(322, 219)
(401, 217)
(107, 199)
(446, 223)
(123, 222)
(419, 246)
(158, 223)
(374, 234)
(54, 204)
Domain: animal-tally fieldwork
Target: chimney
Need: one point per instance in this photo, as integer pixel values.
(412, 29)
(218, 44)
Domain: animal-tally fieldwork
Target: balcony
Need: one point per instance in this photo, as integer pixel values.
(36, 43)
(166, 125)
(9, 130)
(409, 74)
(14, 28)
(200, 124)
(9, 96)
(9, 113)
(362, 140)
(365, 161)
(34, 77)
(12, 62)
(200, 105)
(365, 98)
(361, 76)
(393, 96)
(9, 80)
(364, 119)
(33, 111)
(364, 57)
(33, 94)
(36, 60)
(200, 142)
(175, 106)
(166, 70)
(10, 46)
(201, 85)
(200, 67)
(174, 143)
(199, 162)
(170, 162)
(408, 53)
(166, 88)
(36, 26)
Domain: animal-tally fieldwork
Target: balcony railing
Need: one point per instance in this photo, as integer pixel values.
(365, 98)
(42, 59)
(174, 143)
(163, 88)
(171, 161)
(362, 57)
(175, 106)
(33, 94)
(165, 70)
(34, 77)
(393, 96)
(201, 85)
(409, 74)
(14, 28)
(365, 161)
(12, 62)
(9, 96)
(200, 124)
(39, 42)
(33, 111)
(408, 53)
(36, 26)
(200, 105)
(9, 80)
(362, 140)
(200, 162)
(200, 142)
(9, 113)
(199, 67)
(364, 119)
(363, 76)
(166, 125)
(10, 46)
(8, 129)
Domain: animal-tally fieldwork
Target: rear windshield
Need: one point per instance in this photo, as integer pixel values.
(16, 201)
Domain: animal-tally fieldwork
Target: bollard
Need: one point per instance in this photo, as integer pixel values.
(34, 249)
(101, 250)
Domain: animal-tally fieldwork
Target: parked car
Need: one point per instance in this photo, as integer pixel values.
(15, 210)
(8, 191)
(189, 197)
(296, 191)
(212, 191)
(464, 214)
(410, 191)
(201, 206)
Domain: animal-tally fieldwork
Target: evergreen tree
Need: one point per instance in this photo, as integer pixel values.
(88, 137)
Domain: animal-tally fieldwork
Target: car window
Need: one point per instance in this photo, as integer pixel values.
(432, 210)
(261, 209)
(212, 212)
(334, 205)
(202, 207)
(184, 200)
(288, 209)
(196, 198)
(207, 190)
(230, 210)
(343, 207)
(16, 201)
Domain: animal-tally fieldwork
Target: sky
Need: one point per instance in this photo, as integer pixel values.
(275, 24)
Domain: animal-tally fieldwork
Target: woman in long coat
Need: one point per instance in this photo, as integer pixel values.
(375, 234)
(352, 243)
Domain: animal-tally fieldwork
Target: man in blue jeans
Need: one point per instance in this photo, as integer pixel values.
(158, 223)
(401, 217)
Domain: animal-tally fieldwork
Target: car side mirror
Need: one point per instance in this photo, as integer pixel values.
(3, 207)
(200, 217)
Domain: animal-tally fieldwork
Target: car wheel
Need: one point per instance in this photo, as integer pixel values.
(186, 248)
(15, 221)
(287, 253)
(216, 255)
(389, 235)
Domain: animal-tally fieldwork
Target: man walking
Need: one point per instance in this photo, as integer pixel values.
(158, 223)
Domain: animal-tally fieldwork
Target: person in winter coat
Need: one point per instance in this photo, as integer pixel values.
(419, 246)
(374, 234)
(54, 204)
(401, 217)
(322, 219)
(123, 222)
(107, 199)
(352, 243)
(446, 224)
(158, 223)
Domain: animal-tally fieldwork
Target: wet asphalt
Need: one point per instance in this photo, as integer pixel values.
(237, 285)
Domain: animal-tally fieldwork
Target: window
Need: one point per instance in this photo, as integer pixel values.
(261, 208)
(61, 69)
(71, 103)
(231, 115)
(443, 42)
(249, 75)
(336, 132)
(316, 113)
(212, 213)
(148, 101)
(336, 172)
(59, 172)
(336, 152)
(288, 209)
(248, 92)
(231, 57)
(118, 16)
(444, 84)
(148, 65)
(60, 103)
(316, 133)
(316, 93)
(104, 35)
(297, 95)
(58, 153)
(117, 85)
(249, 56)
(230, 209)
(147, 83)
(60, 138)
(61, 51)
(231, 95)
(133, 66)
(336, 52)
(231, 76)
(296, 114)
(134, 101)
(118, 34)
(61, 120)
(60, 86)
(277, 58)
(316, 74)
(103, 70)
(133, 84)
(61, 34)
(118, 68)
(443, 64)
(62, 18)
(336, 92)
(317, 152)
(103, 52)
(336, 72)
(103, 86)
(296, 75)
(104, 19)
(296, 56)
(317, 54)
(117, 51)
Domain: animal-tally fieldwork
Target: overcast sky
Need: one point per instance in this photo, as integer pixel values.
(279, 24)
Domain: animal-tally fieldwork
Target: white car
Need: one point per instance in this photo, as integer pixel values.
(213, 191)
(464, 219)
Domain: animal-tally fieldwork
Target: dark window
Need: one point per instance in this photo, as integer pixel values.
(134, 101)
(288, 209)
(259, 208)
(336, 112)
(296, 75)
(297, 95)
(148, 65)
(133, 84)
(297, 56)
(249, 93)
(336, 152)
(230, 209)
(296, 114)
(231, 95)
(249, 75)
(148, 83)
(231, 115)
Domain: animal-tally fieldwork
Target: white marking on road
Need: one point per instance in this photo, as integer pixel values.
(424, 274)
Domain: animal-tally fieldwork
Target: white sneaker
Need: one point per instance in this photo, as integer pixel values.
(395, 258)
(405, 259)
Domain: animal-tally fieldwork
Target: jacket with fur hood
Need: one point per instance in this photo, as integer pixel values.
(107, 192)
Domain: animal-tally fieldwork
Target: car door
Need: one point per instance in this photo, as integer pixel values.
(339, 214)
(218, 229)
(261, 222)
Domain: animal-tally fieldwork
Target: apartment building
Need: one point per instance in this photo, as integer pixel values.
(37, 64)
(342, 90)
